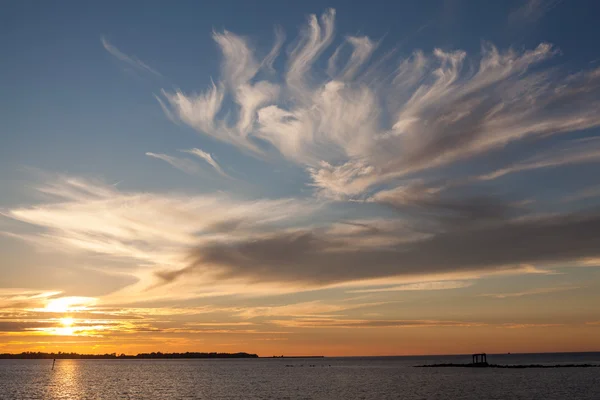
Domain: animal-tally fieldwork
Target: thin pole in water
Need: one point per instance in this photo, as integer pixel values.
(53, 362)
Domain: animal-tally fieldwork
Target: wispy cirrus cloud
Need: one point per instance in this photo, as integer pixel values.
(532, 10)
(189, 166)
(363, 48)
(532, 292)
(153, 228)
(432, 194)
(132, 61)
(509, 325)
(305, 309)
(268, 61)
(440, 108)
(370, 323)
(208, 158)
(182, 164)
(587, 193)
(23, 298)
(325, 323)
(570, 153)
(419, 286)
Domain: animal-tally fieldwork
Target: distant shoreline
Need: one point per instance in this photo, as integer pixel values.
(295, 357)
(213, 355)
(114, 356)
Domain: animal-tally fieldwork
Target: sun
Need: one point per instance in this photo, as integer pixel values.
(69, 304)
(67, 321)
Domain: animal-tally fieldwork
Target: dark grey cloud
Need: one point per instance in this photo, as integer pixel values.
(312, 256)
(225, 226)
(449, 208)
(20, 326)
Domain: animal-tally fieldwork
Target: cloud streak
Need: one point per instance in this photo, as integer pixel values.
(189, 166)
(182, 164)
(131, 60)
(532, 10)
(576, 152)
(531, 292)
(419, 286)
(349, 323)
(207, 157)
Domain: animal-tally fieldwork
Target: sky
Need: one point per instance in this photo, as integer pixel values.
(300, 178)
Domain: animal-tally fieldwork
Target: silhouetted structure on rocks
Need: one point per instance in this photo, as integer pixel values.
(480, 360)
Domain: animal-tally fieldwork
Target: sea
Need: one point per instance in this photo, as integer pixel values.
(302, 378)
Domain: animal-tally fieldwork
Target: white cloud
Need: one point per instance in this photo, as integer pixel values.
(337, 127)
(250, 98)
(305, 309)
(155, 229)
(570, 153)
(363, 48)
(420, 286)
(199, 111)
(314, 39)
(239, 67)
(208, 158)
(189, 166)
(345, 181)
(431, 111)
(182, 164)
(274, 53)
(239, 64)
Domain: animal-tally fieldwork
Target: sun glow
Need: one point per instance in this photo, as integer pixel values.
(67, 328)
(69, 304)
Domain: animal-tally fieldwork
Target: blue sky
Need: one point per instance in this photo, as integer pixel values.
(303, 155)
(58, 68)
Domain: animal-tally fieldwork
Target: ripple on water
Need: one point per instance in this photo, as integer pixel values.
(331, 378)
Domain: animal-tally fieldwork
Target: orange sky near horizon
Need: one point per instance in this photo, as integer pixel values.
(340, 327)
(336, 342)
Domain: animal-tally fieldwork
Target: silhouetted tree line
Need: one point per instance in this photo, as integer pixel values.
(61, 355)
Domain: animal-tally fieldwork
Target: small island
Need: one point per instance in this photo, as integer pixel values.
(75, 356)
(518, 366)
(480, 361)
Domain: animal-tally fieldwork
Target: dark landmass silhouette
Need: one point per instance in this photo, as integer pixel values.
(298, 357)
(479, 365)
(61, 355)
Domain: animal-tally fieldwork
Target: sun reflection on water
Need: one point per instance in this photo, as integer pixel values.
(65, 382)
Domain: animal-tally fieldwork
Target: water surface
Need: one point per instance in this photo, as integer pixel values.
(327, 378)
